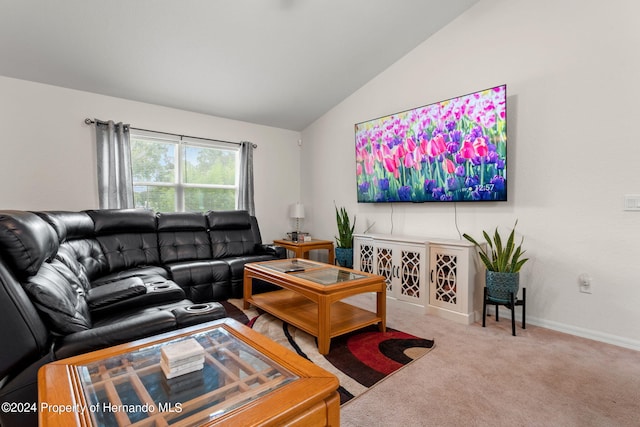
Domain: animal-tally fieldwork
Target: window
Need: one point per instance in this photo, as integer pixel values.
(173, 173)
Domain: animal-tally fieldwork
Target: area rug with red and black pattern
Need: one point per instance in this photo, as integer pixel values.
(359, 359)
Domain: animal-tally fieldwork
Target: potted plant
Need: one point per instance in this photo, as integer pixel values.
(344, 239)
(503, 263)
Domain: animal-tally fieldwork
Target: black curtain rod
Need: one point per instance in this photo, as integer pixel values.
(89, 121)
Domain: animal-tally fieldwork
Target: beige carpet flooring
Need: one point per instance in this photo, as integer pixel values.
(485, 377)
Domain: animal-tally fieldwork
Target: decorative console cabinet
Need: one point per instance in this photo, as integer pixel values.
(451, 289)
(402, 262)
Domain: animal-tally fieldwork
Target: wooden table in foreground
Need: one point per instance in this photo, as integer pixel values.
(301, 249)
(310, 298)
(247, 380)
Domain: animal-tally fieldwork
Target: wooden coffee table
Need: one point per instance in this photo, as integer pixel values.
(247, 379)
(310, 298)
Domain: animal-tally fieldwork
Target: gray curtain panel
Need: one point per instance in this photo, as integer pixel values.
(245, 197)
(115, 183)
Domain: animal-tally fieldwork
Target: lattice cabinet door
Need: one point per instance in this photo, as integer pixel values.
(412, 270)
(363, 259)
(449, 278)
(403, 266)
(384, 266)
(444, 279)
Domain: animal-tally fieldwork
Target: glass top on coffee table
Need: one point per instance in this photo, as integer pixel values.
(132, 387)
(289, 265)
(323, 274)
(329, 276)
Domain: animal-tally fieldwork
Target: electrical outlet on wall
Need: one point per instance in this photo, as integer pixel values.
(585, 282)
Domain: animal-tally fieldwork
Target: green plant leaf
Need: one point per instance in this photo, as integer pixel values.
(499, 257)
(345, 228)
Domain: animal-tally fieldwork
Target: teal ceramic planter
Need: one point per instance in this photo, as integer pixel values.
(344, 256)
(500, 285)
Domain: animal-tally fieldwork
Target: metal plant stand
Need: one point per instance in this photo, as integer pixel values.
(511, 305)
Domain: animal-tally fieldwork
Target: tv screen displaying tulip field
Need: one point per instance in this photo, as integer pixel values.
(449, 151)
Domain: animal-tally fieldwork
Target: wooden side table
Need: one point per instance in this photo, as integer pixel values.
(301, 249)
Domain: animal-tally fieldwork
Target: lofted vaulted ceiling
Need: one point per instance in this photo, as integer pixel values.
(280, 63)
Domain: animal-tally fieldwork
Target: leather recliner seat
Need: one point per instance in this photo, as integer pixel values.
(73, 282)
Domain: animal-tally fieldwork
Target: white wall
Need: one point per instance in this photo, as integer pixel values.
(572, 70)
(47, 153)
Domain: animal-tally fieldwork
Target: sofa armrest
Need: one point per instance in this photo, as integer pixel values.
(276, 251)
(113, 292)
(118, 329)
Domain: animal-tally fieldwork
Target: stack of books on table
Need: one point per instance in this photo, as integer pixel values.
(181, 358)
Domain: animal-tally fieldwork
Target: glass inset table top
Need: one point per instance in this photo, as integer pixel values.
(314, 272)
(289, 265)
(329, 276)
(131, 387)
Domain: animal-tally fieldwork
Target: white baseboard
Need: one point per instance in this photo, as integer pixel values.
(572, 330)
(586, 333)
(454, 316)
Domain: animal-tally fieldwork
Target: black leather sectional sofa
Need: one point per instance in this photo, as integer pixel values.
(73, 282)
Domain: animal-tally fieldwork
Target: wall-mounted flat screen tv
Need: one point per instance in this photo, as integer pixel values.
(450, 151)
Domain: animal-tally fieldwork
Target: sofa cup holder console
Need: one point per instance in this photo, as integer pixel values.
(197, 313)
(199, 308)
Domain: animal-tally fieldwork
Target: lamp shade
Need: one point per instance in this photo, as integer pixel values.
(296, 210)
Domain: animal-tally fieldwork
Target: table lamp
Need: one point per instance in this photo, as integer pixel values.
(296, 211)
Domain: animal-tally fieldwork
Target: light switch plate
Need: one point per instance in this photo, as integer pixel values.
(632, 202)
